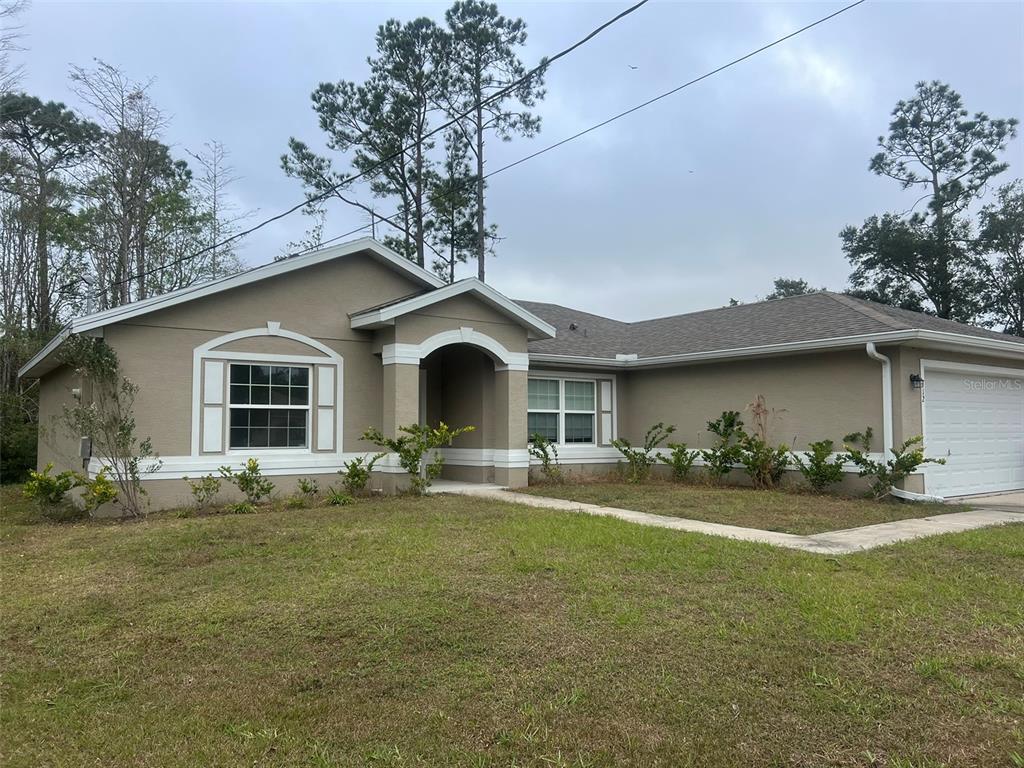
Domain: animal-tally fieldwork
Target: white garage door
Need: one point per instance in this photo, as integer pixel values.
(974, 418)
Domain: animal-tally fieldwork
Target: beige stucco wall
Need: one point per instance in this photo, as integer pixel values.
(156, 349)
(55, 445)
(815, 396)
(460, 311)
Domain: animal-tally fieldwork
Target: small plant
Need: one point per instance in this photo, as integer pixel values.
(249, 481)
(50, 490)
(298, 501)
(720, 458)
(884, 475)
(98, 491)
(680, 460)
(640, 460)
(241, 508)
(546, 453)
(308, 487)
(337, 497)
(355, 474)
(417, 440)
(764, 462)
(820, 469)
(204, 490)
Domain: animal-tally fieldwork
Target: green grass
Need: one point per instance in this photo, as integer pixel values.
(454, 631)
(786, 511)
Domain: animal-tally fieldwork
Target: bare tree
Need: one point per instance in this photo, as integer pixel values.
(10, 33)
(221, 214)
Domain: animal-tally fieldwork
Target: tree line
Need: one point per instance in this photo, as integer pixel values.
(951, 254)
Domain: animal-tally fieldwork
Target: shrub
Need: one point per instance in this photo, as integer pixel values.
(249, 481)
(99, 491)
(298, 501)
(241, 508)
(640, 460)
(727, 451)
(820, 469)
(680, 460)
(338, 498)
(546, 453)
(50, 490)
(417, 440)
(764, 462)
(355, 475)
(19, 437)
(308, 487)
(884, 475)
(203, 490)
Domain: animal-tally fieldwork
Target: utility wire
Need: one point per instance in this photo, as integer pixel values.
(310, 200)
(625, 113)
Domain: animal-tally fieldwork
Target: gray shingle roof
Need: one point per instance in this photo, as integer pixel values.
(823, 315)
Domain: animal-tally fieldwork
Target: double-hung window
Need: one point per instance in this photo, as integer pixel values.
(562, 410)
(269, 406)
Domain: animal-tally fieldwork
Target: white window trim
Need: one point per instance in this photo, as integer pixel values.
(208, 351)
(561, 377)
(308, 408)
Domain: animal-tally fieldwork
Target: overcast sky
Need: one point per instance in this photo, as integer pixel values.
(707, 195)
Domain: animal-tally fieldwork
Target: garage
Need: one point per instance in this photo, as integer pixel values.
(973, 417)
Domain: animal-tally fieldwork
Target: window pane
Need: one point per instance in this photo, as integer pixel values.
(579, 427)
(543, 424)
(542, 394)
(300, 377)
(579, 396)
(278, 437)
(258, 418)
(297, 437)
(239, 374)
(260, 374)
(279, 395)
(279, 418)
(297, 419)
(300, 396)
(239, 437)
(279, 374)
(259, 395)
(239, 417)
(258, 437)
(240, 393)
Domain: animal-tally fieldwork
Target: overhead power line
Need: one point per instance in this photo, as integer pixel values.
(310, 200)
(624, 113)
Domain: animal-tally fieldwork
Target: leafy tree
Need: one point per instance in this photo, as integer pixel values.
(482, 50)
(1002, 234)
(42, 142)
(936, 146)
(790, 286)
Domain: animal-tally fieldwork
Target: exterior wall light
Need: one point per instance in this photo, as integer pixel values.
(916, 381)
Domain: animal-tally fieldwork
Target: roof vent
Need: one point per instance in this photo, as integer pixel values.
(627, 358)
(573, 326)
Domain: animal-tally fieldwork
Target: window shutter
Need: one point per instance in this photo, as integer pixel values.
(213, 406)
(325, 406)
(606, 413)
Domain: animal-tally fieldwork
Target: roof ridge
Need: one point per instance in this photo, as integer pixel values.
(867, 311)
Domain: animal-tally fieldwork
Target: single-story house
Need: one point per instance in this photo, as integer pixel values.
(290, 362)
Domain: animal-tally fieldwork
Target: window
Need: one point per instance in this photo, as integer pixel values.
(561, 410)
(269, 406)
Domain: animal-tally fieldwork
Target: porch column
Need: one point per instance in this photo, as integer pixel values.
(511, 460)
(401, 406)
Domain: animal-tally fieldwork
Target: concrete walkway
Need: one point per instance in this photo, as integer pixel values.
(831, 543)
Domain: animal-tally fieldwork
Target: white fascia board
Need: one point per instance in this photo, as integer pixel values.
(200, 290)
(386, 315)
(942, 338)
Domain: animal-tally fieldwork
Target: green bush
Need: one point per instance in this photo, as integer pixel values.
(18, 437)
(204, 490)
(884, 475)
(820, 469)
(640, 460)
(241, 508)
(546, 453)
(308, 487)
(355, 474)
(417, 440)
(51, 490)
(727, 451)
(98, 491)
(680, 460)
(249, 481)
(765, 464)
(338, 498)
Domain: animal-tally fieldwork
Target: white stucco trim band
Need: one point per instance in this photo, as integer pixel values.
(412, 354)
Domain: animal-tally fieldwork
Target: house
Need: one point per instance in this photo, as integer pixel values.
(290, 362)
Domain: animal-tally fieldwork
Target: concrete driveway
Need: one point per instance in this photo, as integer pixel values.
(1012, 501)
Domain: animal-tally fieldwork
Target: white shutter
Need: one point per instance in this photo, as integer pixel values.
(213, 406)
(326, 407)
(606, 412)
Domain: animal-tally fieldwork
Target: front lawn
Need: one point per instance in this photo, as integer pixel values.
(456, 631)
(786, 511)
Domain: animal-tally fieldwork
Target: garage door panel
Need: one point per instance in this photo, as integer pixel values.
(976, 422)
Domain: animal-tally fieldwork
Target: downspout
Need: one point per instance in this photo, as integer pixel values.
(887, 439)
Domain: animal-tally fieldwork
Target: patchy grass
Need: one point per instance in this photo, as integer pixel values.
(455, 631)
(786, 511)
